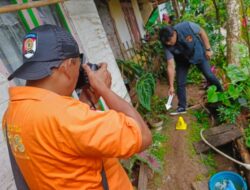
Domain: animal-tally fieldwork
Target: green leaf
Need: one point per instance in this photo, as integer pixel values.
(236, 74)
(247, 132)
(224, 98)
(234, 92)
(247, 92)
(221, 96)
(248, 142)
(145, 87)
(212, 95)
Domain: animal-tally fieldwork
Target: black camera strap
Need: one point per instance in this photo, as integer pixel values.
(103, 173)
(104, 179)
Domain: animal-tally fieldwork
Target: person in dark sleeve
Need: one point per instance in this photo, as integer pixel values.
(186, 43)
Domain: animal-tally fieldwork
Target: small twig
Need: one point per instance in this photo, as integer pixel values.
(204, 107)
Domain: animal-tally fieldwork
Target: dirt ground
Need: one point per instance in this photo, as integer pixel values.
(181, 168)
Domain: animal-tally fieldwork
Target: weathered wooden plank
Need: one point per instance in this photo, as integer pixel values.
(200, 185)
(219, 139)
(143, 177)
(218, 130)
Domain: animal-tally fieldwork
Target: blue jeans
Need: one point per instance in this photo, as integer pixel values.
(182, 66)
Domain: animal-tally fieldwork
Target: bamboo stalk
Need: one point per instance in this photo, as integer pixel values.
(33, 4)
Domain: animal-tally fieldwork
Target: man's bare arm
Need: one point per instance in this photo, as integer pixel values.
(116, 103)
(206, 43)
(171, 75)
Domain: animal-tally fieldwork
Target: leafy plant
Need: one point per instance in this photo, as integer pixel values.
(130, 69)
(151, 52)
(145, 81)
(236, 95)
(194, 76)
(157, 148)
(229, 114)
(145, 88)
(150, 160)
(157, 112)
(153, 156)
(231, 102)
(237, 74)
(158, 105)
(201, 116)
(151, 57)
(227, 97)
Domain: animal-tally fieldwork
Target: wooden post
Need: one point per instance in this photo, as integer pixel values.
(244, 155)
(33, 4)
(143, 177)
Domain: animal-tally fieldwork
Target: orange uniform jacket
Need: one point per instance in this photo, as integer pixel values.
(59, 143)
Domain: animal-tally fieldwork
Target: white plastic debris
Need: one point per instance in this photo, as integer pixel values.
(169, 102)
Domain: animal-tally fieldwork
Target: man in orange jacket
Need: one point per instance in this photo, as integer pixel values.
(58, 142)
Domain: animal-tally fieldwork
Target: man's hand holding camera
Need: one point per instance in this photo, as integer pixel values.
(98, 80)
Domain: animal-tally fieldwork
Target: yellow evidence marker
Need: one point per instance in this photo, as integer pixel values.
(181, 124)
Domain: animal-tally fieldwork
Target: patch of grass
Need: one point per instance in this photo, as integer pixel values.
(194, 135)
(209, 161)
(200, 177)
(201, 116)
(202, 122)
(157, 148)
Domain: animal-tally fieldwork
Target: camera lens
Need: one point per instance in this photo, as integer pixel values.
(83, 78)
(93, 67)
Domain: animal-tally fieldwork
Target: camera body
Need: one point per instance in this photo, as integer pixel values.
(83, 78)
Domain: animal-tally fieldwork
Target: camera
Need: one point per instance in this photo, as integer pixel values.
(83, 78)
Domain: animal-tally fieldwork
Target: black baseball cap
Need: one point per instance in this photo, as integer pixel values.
(165, 33)
(45, 47)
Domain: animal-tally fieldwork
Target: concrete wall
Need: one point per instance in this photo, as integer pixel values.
(88, 26)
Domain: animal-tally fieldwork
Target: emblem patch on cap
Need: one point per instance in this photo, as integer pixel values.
(29, 45)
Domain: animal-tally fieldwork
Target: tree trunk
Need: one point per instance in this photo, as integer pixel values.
(176, 8)
(233, 30)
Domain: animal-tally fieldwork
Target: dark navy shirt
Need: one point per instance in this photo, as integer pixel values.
(178, 48)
